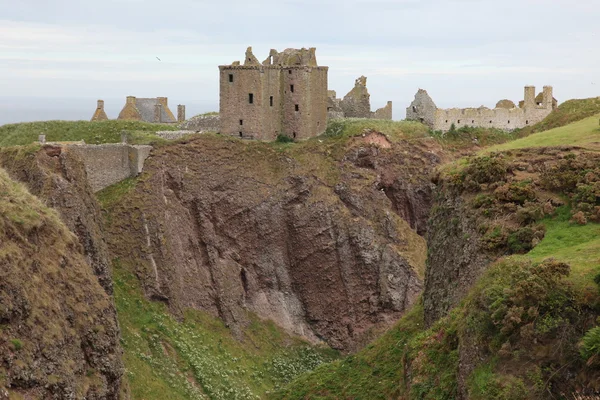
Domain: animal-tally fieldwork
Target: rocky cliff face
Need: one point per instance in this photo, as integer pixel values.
(311, 236)
(92, 347)
(59, 338)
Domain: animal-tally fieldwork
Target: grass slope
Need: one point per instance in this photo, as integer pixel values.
(198, 357)
(584, 133)
(380, 370)
(566, 113)
(90, 132)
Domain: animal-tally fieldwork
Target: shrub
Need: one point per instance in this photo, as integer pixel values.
(525, 239)
(516, 192)
(590, 346)
(487, 169)
(17, 344)
(284, 139)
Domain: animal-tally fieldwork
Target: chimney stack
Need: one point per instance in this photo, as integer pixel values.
(180, 113)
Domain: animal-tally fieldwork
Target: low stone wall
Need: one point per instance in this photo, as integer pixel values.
(202, 123)
(172, 135)
(107, 164)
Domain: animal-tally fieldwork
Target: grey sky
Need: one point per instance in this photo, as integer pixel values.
(61, 55)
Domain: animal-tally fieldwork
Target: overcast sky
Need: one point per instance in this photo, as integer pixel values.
(58, 56)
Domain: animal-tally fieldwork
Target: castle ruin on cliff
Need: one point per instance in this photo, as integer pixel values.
(505, 116)
(285, 94)
(356, 104)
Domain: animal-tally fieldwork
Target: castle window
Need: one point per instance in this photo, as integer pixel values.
(297, 107)
(509, 121)
(271, 101)
(458, 121)
(446, 121)
(526, 122)
(414, 109)
(250, 98)
(241, 122)
(294, 134)
(473, 121)
(292, 88)
(289, 71)
(490, 122)
(230, 77)
(241, 134)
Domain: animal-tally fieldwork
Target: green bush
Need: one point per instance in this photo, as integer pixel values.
(284, 139)
(17, 344)
(590, 346)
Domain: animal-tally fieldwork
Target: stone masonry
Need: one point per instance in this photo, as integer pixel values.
(285, 94)
(147, 110)
(100, 114)
(356, 104)
(505, 116)
(107, 164)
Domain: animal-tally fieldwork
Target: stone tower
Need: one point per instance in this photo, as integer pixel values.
(285, 94)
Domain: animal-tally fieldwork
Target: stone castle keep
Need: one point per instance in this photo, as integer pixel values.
(505, 115)
(285, 94)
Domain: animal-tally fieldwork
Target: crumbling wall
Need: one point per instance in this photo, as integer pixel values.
(356, 104)
(107, 164)
(422, 109)
(334, 106)
(505, 116)
(202, 123)
(384, 112)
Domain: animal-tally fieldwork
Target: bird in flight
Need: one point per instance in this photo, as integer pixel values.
(158, 59)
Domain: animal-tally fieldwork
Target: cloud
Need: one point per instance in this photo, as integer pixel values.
(461, 50)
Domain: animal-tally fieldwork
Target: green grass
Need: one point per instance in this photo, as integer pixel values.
(197, 357)
(577, 245)
(344, 128)
(90, 132)
(568, 112)
(584, 133)
(378, 371)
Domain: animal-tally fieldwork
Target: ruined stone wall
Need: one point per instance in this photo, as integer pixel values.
(423, 109)
(500, 118)
(107, 164)
(304, 108)
(271, 112)
(239, 117)
(383, 112)
(356, 104)
(202, 123)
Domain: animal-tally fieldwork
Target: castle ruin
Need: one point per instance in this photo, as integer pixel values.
(147, 110)
(356, 104)
(285, 94)
(505, 116)
(143, 109)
